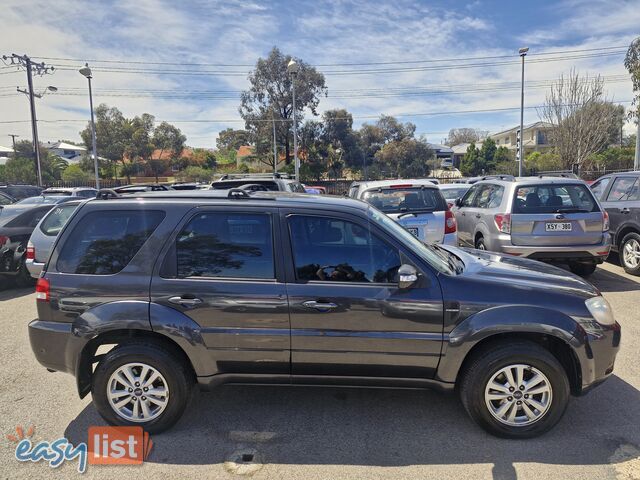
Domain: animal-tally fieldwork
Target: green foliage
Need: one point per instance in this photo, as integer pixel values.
(231, 140)
(632, 63)
(74, 173)
(195, 174)
(542, 162)
(469, 164)
(613, 158)
(405, 158)
(22, 168)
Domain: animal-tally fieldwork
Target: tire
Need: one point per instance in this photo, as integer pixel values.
(23, 277)
(628, 251)
(480, 245)
(582, 269)
(489, 362)
(174, 375)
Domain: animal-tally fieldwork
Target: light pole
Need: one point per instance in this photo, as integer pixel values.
(523, 53)
(86, 71)
(293, 68)
(275, 148)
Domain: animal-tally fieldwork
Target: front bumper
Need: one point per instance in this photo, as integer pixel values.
(597, 354)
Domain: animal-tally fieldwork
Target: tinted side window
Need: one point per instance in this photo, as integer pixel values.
(104, 242)
(335, 250)
(236, 245)
(467, 200)
(600, 187)
(54, 222)
(495, 199)
(623, 188)
(483, 197)
(28, 219)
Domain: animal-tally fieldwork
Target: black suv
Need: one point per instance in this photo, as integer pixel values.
(619, 194)
(215, 287)
(252, 182)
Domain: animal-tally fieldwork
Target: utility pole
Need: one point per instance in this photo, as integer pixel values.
(23, 61)
(293, 68)
(13, 137)
(86, 72)
(636, 161)
(523, 53)
(275, 148)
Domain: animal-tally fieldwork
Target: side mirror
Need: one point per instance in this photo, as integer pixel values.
(407, 276)
(458, 202)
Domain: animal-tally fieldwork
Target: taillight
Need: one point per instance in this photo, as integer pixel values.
(450, 225)
(3, 239)
(503, 222)
(605, 221)
(42, 290)
(31, 251)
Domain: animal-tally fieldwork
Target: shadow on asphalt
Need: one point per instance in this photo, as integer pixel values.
(12, 293)
(331, 426)
(608, 281)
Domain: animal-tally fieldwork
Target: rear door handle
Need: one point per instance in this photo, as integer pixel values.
(477, 215)
(320, 306)
(185, 301)
(625, 210)
(463, 214)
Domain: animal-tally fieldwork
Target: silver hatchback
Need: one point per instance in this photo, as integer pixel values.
(543, 218)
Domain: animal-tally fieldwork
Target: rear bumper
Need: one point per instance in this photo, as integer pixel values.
(450, 239)
(35, 268)
(55, 346)
(597, 252)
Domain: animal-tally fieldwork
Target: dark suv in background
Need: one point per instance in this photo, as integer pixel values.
(216, 287)
(252, 182)
(619, 194)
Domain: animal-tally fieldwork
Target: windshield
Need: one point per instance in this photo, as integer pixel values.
(407, 199)
(554, 198)
(57, 192)
(437, 260)
(41, 200)
(454, 193)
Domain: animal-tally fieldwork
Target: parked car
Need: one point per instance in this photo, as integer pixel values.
(356, 188)
(83, 192)
(213, 287)
(14, 235)
(417, 205)
(6, 199)
(543, 218)
(28, 203)
(44, 235)
(273, 182)
(619, 194)
(20, 191)
(452, 191)
(317, 190)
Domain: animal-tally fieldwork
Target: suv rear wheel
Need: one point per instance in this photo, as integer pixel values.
(581, 268)
(630, 253)
(515, 390)
(141, 384)
(480, 243)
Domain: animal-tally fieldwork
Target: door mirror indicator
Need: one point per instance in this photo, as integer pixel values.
(407, 276)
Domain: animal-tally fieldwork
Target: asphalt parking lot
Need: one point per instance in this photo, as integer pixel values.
(306, 433)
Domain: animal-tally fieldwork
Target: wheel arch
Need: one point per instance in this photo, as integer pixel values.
(623, 232)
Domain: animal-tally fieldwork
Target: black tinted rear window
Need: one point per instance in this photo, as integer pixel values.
(227, 184)
(104, 242)
(554, 198)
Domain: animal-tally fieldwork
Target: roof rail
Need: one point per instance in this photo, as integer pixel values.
(230, 176)
(237, 193)
(107, 193)
(506, 178)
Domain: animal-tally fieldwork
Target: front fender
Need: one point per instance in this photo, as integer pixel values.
(500, 320)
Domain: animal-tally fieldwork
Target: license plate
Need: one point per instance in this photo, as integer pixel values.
(413, 231)
(558, 227)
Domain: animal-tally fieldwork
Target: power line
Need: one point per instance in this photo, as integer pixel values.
(402, 62)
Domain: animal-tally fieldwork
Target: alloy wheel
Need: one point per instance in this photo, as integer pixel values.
(631, 253)
(137, 392)
(518, 395)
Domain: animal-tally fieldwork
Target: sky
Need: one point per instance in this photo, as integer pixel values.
(438, 64)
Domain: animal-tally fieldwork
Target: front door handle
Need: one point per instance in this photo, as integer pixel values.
(477, 215)
(463, 214)
(185, 301)
(320, 306)
(625, 210)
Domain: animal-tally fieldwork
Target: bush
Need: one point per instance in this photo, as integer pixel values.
(543, 162)
(194, 174)
(73, 173)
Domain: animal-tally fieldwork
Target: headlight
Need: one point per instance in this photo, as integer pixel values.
(600, 310)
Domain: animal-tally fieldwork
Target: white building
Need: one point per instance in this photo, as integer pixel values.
(5, 152)
(71, 153)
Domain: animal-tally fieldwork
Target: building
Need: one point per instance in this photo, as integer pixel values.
(70, 152)
(459, 152)
(535, 137)
(5, 153)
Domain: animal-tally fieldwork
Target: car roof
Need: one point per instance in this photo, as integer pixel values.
(541, 180)
(445, 186)
(387, 183)
(201, 197)
(66, 189)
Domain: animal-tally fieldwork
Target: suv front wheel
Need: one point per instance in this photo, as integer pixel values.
(141, 384)
(515, 390)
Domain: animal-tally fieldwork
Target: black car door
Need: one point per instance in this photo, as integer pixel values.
(622, 204)
(348, 316)
(222, 270)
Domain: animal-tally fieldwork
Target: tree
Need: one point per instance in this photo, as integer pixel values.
(338, 133)
(373, 137)
(75, 174)
(543, 162)
(470, 161)
(113, 133)
(487, 155)
(195, 174)
(21, 168)
(580, 116)
(465, 135)
(230, 139)
(166, 138)
(632, 63)
(315, 150)
(407, 157)
(270, 92)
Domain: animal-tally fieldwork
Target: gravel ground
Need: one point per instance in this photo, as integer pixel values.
(309, 433)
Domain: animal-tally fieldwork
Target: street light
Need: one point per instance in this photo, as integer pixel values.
(293, 69)
(86, 71)
(523, 53)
